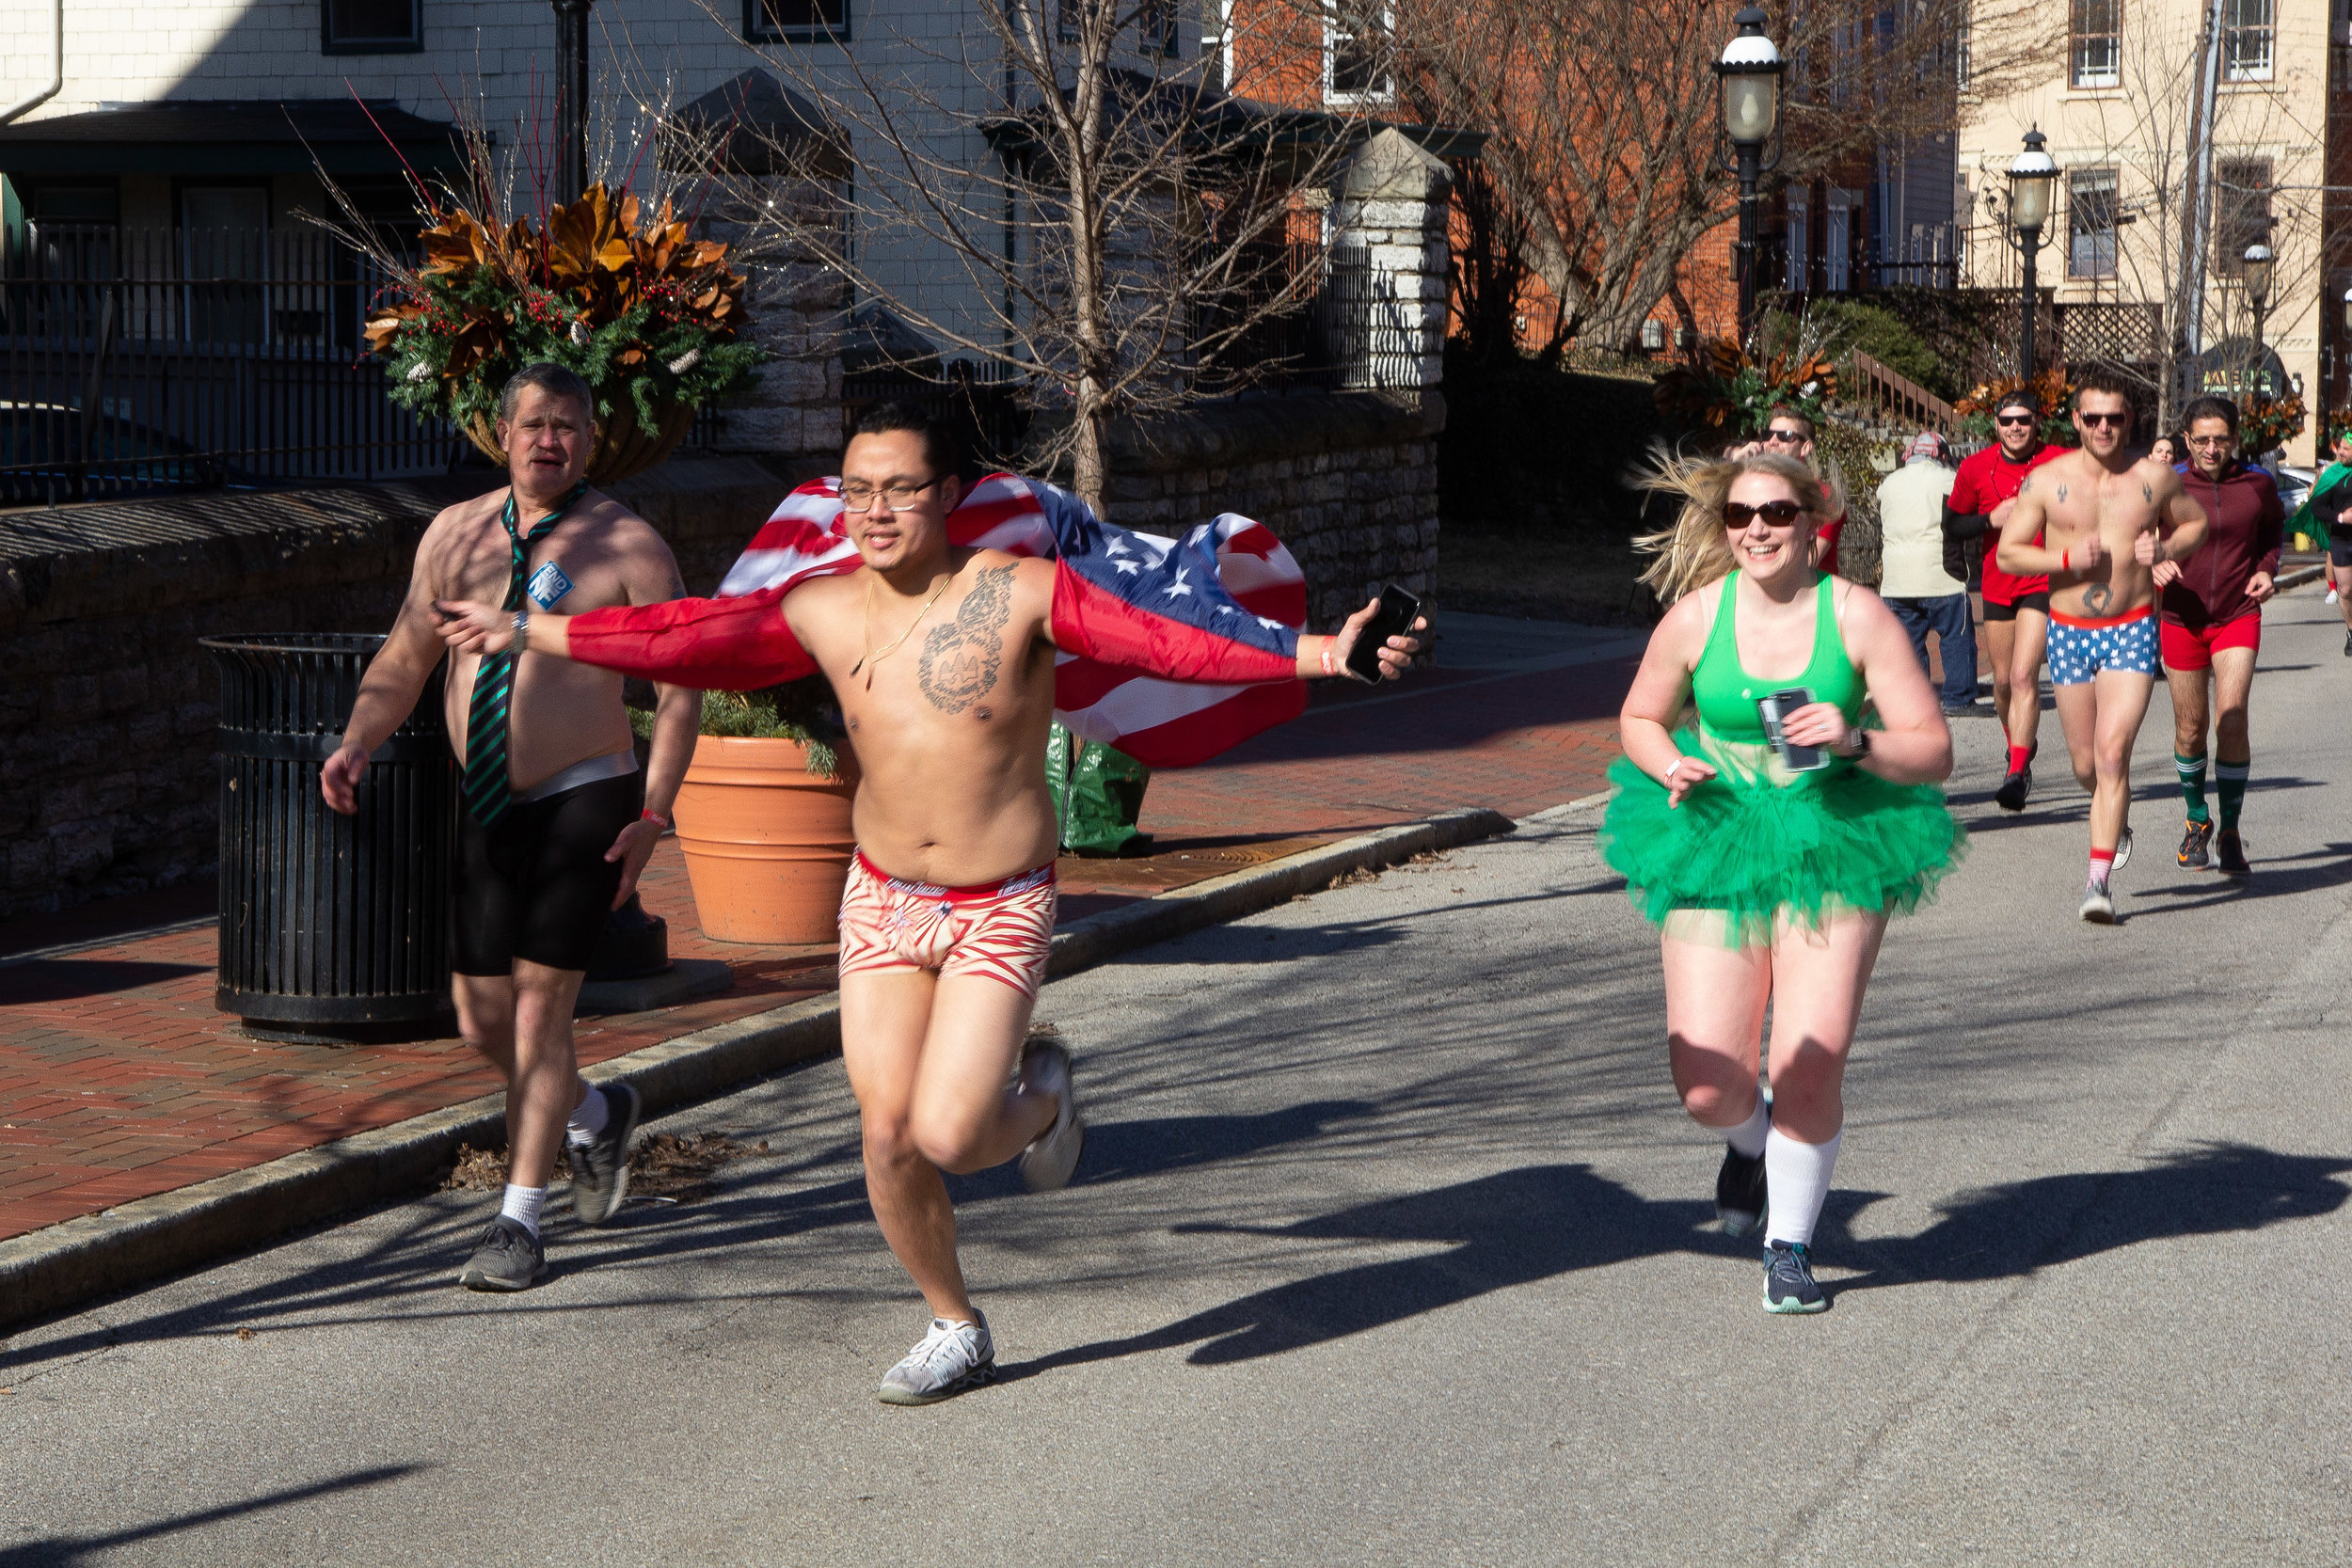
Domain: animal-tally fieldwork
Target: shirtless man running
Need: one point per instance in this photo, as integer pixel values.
(2108, 522)
(943, 660)
(556, 821)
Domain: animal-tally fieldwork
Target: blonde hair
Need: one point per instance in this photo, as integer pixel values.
(1694, 551)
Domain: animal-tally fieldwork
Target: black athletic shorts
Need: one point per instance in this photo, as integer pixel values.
(537, 886)
(2038, 600)
(2340, 547)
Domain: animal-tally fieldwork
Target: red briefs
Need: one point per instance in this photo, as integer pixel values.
(1003, 931)
(2186, 649)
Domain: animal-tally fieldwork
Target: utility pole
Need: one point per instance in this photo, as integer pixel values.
(571, 91)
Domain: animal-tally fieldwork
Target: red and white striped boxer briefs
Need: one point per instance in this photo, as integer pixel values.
(1000, 929)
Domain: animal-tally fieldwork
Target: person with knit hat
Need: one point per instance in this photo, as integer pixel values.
(1924, 593)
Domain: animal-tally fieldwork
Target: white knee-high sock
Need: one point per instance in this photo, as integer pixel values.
(1797, 1175)
(1747, 1139)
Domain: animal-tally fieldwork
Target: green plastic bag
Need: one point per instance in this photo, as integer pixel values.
(1098, 796)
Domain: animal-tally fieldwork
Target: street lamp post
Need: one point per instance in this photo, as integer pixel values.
(2031, 179)
(1748, 77)
(571, 92)
(2256, 265)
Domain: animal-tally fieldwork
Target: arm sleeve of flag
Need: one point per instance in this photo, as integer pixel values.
(1105, 628)
(737, 644)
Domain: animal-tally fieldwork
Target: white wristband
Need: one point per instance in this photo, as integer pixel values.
(1671, 769)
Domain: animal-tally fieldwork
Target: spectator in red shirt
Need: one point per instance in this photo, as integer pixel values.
(2016, 609)
(2212, 627)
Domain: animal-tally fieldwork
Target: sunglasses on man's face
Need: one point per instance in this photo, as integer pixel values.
(2014, 419)
(2105, 422)
(1738, 515)
(1785, 437)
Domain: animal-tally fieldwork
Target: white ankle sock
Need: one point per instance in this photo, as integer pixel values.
(523, 1204)
(1797, 1176)
(588, 1118)
(1747, 1139)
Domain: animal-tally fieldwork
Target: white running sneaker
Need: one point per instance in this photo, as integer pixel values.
(1046, 1164)
(2098, 906)
(2123, 850)
(2333, 595)
(952, 1357)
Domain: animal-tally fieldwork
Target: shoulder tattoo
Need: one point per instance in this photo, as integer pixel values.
(960, 659)
(2024, 484)
(2061, 490)
(2147, 492)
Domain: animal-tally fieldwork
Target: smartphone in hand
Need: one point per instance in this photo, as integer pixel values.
(1398, 610)
(1776, 708)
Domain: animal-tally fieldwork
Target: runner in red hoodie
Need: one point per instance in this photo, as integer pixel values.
(2212, 606)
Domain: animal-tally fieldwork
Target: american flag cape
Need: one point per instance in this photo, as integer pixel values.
(1226, 579)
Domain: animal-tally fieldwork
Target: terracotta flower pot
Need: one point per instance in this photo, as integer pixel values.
(767, 842)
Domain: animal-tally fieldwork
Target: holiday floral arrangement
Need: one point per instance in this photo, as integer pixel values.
(648, 317)
(2264, 422)
(1729, 393)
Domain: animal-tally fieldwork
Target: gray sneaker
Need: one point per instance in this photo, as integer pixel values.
(2123, 850)
(600, 1170)
(2098, 904)
(1046, 1164)
(509, 1258)
(951, 1358)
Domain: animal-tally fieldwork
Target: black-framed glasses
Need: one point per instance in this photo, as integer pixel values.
(1738, 515)
(2014, 418)
(2105, 422)
(1785, 437)
(898, 496)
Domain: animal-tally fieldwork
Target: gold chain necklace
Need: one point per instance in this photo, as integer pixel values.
(869, 657)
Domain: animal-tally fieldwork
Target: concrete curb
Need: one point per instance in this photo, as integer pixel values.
(2297, 578)
(63, 1266)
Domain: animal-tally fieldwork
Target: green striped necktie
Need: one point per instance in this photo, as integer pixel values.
(487, 792)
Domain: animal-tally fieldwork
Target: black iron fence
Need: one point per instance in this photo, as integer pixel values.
(137, 359)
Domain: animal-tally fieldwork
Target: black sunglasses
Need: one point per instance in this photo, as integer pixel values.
(2104, 422)
(1787, 438)
(1738, 515)
(2014, 418)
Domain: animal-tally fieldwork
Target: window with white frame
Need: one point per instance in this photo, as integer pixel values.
(2249, 36)
(2095, 43)
(2091, 212)
(1356, 50)
(2241, 211)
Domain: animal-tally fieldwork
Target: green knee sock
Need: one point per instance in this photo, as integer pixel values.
(2192, 772)
(2230, 776)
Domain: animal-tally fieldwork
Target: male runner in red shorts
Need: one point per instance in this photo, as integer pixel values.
(943, 660)
(2212, 606)
(2110, 520)
(2016, 608)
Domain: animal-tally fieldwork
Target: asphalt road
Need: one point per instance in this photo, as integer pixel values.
(1390, 1245)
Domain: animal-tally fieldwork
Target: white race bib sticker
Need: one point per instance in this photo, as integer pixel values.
(547, 586)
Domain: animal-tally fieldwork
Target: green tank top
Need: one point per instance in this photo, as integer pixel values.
(1726, 695)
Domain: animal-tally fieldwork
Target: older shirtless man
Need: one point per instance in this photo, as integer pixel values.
(556, 822)
(943, 660)
(2109, 525)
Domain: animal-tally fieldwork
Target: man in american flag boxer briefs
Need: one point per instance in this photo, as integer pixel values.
(950, 637)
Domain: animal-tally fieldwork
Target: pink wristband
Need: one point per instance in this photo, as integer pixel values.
(649, 815)
(1327, 658)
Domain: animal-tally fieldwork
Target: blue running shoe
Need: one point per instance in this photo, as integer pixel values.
(1789, 1285)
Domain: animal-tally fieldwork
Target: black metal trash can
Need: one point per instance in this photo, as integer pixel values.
(330, 926)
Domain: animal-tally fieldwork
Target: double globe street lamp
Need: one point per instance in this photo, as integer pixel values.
(1748, 78)
(2032, 182)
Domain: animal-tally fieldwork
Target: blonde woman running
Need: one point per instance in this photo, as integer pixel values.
(1769, 884)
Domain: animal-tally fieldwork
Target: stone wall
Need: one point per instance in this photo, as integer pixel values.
(108, 704)
(1347, 480)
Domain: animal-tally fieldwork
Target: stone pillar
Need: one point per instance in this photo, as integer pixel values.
(1389, 257)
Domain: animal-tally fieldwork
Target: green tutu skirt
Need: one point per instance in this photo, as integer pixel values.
(1756, 844)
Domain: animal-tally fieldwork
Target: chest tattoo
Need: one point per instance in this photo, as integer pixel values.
(960, 659)
(2061, 495)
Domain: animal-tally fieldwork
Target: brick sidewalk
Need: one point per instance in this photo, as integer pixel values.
(118, 1080)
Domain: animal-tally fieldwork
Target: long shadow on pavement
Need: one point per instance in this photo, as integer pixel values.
(62, 1551)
